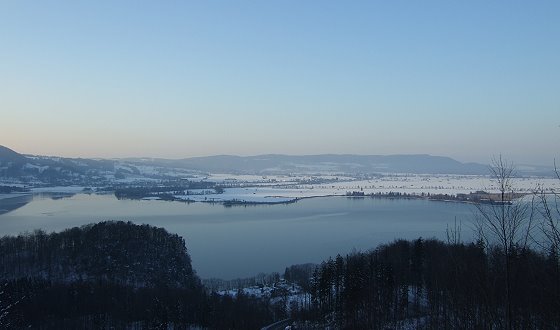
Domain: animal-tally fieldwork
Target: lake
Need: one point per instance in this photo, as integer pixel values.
(242, 241)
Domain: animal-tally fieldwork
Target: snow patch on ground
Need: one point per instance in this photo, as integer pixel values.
(282, 292)
(283, 189)
(408, 183)
(245, 195)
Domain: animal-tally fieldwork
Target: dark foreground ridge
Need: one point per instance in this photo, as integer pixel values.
(111, 275)
(111, 252)
(122, 275)
(429, 284)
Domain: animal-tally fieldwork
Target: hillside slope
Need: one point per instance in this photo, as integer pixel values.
(124, 253)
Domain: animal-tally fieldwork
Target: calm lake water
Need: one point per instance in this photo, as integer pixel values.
(244, 241)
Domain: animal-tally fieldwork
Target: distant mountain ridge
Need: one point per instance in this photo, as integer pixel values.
(275, 163)
(66, 171)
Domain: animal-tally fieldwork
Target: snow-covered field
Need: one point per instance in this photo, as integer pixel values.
(284, 188)
(252, 189)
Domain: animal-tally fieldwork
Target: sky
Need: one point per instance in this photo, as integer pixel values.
(174, 79)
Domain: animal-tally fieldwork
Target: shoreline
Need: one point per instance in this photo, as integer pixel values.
(435, 198)
(478, 197)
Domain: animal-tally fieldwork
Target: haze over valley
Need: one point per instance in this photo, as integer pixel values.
(259, 179)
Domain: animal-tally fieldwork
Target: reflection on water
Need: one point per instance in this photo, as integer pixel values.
(243, 241)
(53, 195)
(13, 203)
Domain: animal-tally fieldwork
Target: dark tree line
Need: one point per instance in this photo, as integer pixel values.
(113, 275)
(162, 190)
(11, 189)
(42, 304)
(117, 252)
(437, 285)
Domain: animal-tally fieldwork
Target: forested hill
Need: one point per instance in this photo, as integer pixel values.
(112, 275)
(428, 284)
(8, 155)
(139, 256)
(15, 167)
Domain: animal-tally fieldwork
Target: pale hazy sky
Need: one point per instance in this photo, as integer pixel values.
(466, 79)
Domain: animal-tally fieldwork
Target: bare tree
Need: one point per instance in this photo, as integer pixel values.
(550, 226)
(505, 221)
(454, 234)
(550, 211)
